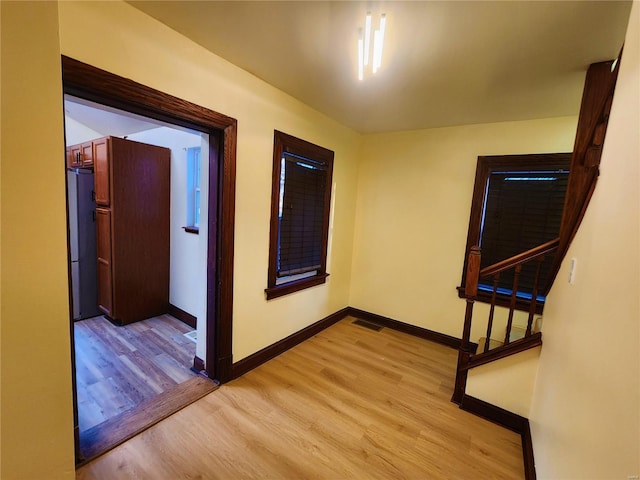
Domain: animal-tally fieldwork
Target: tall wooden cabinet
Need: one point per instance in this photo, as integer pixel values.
(132, 186)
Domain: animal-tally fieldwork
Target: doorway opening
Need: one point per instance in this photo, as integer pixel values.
(216, 136)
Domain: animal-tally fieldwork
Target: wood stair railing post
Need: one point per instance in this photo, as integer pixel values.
(496, 279)
(471, 290)
(534, 297)
(512, 306)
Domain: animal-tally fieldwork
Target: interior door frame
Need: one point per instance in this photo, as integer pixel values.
(91, 83)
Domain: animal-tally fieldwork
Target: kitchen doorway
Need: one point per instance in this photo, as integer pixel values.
(139, 354)
(92, 85)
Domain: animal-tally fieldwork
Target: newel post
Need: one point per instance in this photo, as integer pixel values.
(470, 292)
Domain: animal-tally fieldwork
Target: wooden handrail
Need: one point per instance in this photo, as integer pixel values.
(517, 346)
(519, 259)
(467, 358)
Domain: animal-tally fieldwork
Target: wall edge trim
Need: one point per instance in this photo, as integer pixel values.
(424, 333)
(509, 420)
(182, 315)
(256, 359)
(198, 366)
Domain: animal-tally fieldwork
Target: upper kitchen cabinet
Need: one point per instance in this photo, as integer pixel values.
(74, 156)
(80, 156)
(86, 153)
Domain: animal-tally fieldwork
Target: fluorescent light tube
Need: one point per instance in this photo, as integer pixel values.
(360, 57)
(378, 41)
(367, 38)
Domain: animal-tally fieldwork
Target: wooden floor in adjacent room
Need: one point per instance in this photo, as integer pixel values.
(119, 367)
(130, 377)
(348, 403)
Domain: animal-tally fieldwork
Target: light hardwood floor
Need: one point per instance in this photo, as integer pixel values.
(348, 403)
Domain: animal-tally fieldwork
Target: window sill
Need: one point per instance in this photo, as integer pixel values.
(195, 230)
(297, 285)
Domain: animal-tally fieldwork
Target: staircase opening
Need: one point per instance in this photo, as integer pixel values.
(503, 282)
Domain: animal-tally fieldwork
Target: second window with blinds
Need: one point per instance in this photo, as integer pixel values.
(517, 205)
(300, 204)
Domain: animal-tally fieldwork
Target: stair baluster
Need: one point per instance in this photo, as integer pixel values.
(496, 279)
(512, 305)
(534, 297)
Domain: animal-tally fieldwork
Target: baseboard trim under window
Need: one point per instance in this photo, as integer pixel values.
(247, 364)
(261, 356)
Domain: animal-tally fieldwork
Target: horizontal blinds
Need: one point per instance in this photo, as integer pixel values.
(522, 210)
(301, 222)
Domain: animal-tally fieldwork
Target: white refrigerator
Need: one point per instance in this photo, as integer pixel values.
(82, 234)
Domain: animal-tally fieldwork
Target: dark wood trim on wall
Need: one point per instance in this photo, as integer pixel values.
(492, 413)
(252, 361)
(419, 332)
(597, 99)
(91, 83)
(227, 216)
(527, 453)
(183, 316)
(505, 419)
(267, 353)
(198, 365)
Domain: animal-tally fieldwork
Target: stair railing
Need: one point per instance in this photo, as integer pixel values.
(467, 356)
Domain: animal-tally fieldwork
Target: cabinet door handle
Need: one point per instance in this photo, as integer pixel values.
(93, 196)
(94, 216)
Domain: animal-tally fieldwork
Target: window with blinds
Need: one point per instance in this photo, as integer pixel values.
(522, 210)
(301, 219)
(301, 197)
(517, 204)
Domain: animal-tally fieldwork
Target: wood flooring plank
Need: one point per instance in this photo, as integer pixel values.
(349, 403)
(129, 423)
(118, 369)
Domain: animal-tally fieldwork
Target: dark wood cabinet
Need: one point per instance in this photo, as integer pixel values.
(101, 170)
(103, 240)
(86, 154)
(74, 156)
(132, 185)
(80, 156)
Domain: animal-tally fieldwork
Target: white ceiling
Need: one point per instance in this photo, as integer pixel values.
(106, 120)
(444, 63)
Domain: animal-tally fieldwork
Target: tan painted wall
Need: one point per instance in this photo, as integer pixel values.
(37, 424)
(150, 53)
(585, 413)
(395, 274)
(506, 383)
(414, 198)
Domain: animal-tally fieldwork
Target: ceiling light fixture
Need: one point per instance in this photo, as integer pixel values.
(364, 44)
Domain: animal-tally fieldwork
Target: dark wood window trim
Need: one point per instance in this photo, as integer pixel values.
(91, 83)
(486, 165)
(286, 144)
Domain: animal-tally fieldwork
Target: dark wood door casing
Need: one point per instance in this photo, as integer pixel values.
(90, 83)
